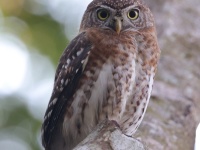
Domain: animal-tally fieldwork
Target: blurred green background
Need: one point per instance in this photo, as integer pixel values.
(33, 35)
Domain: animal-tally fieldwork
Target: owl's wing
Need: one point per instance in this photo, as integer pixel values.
(68, 72)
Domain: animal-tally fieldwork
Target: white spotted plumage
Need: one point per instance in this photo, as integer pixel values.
(64, 77)
(106, 72)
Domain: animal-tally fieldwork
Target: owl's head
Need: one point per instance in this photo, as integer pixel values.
(117, 16)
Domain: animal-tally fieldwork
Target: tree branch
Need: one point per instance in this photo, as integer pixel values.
(107, 136)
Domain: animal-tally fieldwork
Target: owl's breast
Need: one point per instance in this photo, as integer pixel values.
(107, 86)
(108, 81)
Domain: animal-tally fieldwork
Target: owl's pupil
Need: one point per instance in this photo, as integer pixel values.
(104, 14)
(132, 14)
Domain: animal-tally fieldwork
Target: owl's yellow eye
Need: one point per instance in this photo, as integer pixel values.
(133, 14)
(102, 14)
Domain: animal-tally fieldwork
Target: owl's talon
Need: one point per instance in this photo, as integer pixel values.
(115, 123)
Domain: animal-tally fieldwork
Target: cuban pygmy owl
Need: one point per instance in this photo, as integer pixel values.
(106, 72)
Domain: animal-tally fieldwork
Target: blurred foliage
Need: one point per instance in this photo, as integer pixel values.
(44, 34)
(17, 120)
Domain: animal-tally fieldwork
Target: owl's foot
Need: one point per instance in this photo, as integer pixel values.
(115, 123)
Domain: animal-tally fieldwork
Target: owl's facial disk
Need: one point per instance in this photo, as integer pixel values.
(117, 20)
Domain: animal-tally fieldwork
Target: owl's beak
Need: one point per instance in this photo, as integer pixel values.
(118, 24)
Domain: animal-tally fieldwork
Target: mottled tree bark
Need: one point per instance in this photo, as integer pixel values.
(107, 136)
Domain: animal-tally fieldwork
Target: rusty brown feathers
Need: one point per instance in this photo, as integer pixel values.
(106, 72)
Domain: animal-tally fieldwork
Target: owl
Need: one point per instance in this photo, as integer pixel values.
(106, 72)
